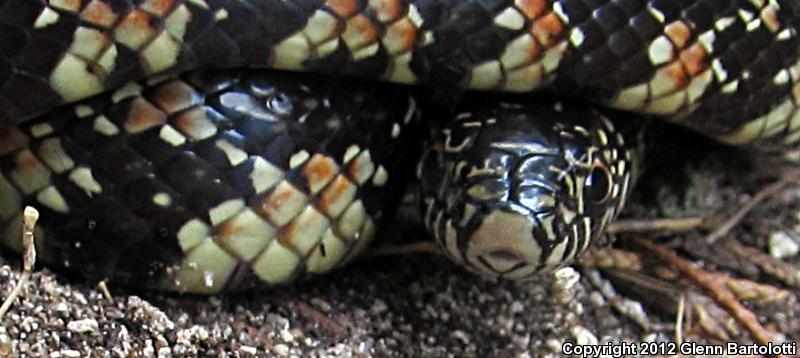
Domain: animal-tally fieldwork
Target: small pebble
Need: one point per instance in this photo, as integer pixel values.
(651, 337)
(287, 336)
(517, 307)
(83, 326)
(554, 344)
(280, 349)
(70, 353)
(583, 336)
(782, 245)
(460, 335)
(61, 307)
(248, 350)
(564, 284)
(150, 314)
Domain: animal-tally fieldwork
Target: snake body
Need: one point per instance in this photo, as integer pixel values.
(727, 68)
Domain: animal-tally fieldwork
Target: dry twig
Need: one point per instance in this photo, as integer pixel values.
(644, 225)
(762, 195)
(717, 291)
(29, 218)
(747, 290)
(104, 290)
(607, 257)
(422, 247)
(783, 271)
(679, 320)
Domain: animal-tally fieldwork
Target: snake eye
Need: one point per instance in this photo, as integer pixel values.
(599, 183)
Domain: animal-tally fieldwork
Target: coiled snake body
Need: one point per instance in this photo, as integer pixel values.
(200, 181)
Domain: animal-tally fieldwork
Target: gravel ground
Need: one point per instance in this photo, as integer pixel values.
(420, 305)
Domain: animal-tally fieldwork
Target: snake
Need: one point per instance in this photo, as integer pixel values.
(208, 145)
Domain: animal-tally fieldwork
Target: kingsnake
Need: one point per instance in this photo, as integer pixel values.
(204, 181)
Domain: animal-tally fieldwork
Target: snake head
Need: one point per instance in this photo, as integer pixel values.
(519, 189)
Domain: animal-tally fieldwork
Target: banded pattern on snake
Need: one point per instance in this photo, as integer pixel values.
(727, 68)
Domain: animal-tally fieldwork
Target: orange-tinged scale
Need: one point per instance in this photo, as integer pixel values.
(677, 73)
(548, 29)
(694, 59)
(143, 116)
(287, 233)
(354, 168)
(226, 231)
(157, 7)
(194, 123)
(530, 49)
(343, 8)
(679, 33)
(282, 204)
(68, 5)
(174, 96)
(770, 18)
(387, 10)
(275, 200)
(334, 192)
(533, 52)
(293, 234)
(99, 13)
(361, 167)
(136, 19)
(531, 8)
(26, 159)
(135, 29)
(360, 32)
(400, 37)
(319, 170)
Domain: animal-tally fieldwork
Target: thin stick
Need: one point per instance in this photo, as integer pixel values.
(106, 293)
(783, 271)
(679, 320)
(29, 218)
(711, 284)
(762, 195)
(639, 226)
(422, 247)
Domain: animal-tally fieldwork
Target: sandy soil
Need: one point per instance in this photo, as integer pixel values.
(420, 305)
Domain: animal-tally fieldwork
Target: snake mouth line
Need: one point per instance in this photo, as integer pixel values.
(503, 255)
(502, 261)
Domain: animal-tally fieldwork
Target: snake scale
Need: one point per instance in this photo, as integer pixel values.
(165, 150)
